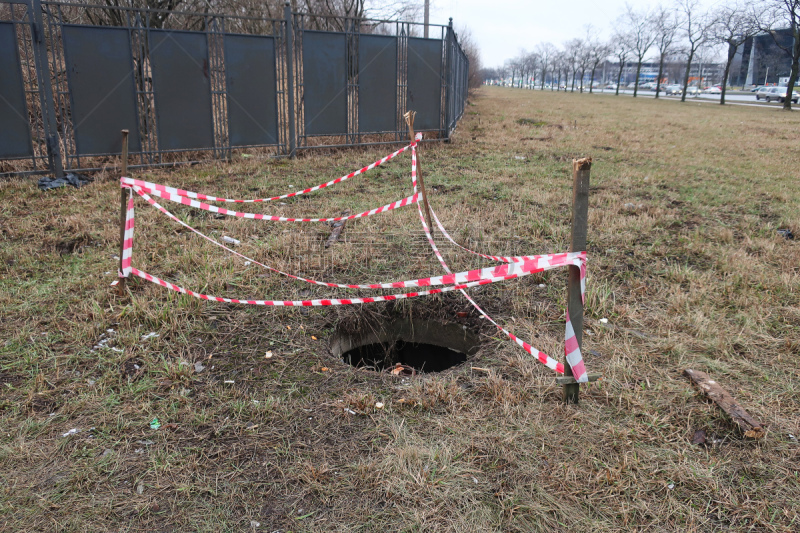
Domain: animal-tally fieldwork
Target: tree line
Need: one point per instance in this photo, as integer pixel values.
(679, 29)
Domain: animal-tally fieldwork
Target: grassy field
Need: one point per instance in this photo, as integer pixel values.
(685, 262)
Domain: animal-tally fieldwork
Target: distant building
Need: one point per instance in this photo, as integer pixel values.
(762, 60)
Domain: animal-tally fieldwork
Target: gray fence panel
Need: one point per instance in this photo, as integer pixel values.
(15, 131)
(377, 83)
(182, 90)
(425, 82)
(252, 93)
(102, 88)
(325, 83)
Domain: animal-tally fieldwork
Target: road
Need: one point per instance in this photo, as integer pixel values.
(737, 98)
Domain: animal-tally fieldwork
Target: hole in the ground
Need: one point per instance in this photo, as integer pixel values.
(424, 345)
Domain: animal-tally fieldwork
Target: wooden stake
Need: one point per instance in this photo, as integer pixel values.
(409, 116)
(123, 208)
(581, 169)
(752, 428)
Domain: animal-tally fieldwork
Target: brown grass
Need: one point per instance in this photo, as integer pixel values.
(692, 274)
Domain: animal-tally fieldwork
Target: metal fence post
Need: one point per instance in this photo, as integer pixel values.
(580, 222)
(45, 89)
(291, 116)
(449, 78)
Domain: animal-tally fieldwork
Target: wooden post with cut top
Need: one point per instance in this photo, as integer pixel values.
(409, 116)
(123, 208)
(580, 223)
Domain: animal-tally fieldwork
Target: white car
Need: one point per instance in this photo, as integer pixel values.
(712, 90)
(692, 90)
(777, 94)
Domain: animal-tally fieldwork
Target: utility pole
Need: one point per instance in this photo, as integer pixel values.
(427, 16)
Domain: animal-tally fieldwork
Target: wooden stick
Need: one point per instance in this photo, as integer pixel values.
(581, 169)
(123, 208)
(409, 116)
(752, 428)
(337, 230)
(564, 380)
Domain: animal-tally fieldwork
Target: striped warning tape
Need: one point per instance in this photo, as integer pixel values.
(414, 198)
(512, 268)
(508, 259)
(198, 196)
(570, 342)
(505, 271)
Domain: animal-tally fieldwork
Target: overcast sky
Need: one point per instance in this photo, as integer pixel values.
(502, 27)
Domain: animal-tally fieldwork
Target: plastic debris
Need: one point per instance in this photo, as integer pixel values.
(71, 432)
(542, 285)
(76, 180)
(198, 367)
(140, 488)
(149, 335)
(349, 411)
(786, 234)
(268, 355)
(379, 405)
(229, 381)
(604, 320)
(230, 240)
(155, 424)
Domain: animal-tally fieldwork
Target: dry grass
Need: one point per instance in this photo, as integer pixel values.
(693, 274)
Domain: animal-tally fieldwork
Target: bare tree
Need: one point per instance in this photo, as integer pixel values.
(666, 24)
(597, 54)
(573, 50)
(696, 27)
(546, 53)
(473, 54)
(733, 25)
(775, 14)
(641, 37)
(621, 51)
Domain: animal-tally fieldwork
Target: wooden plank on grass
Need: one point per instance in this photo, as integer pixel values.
(751, 426)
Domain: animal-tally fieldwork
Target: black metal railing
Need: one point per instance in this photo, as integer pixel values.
(189, 86)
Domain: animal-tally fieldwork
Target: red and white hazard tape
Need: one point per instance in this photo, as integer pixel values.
(501, 272)
(513, 267)
(570, 342)
(127, 241)
(510, 259)
(189, 194)
(414, 198)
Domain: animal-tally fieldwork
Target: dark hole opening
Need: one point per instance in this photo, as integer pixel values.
(421, 356)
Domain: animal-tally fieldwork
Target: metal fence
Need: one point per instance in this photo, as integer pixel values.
(190, 86)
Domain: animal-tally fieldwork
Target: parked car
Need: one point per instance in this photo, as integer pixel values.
(777, 94)
(632, 85)
(612, 86)
(713, 89)
(674, 89)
